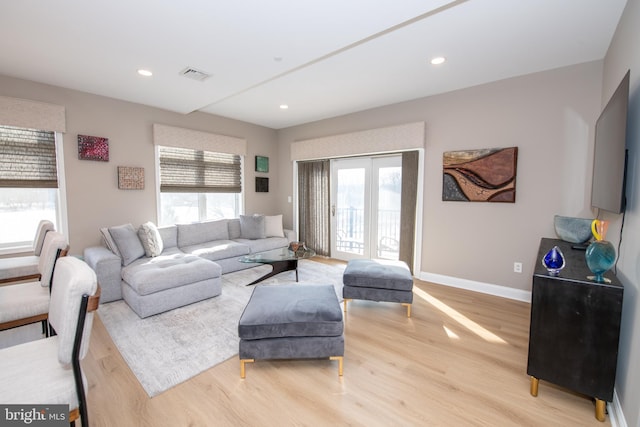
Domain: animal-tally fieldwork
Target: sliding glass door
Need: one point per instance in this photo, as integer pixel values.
(365, 213)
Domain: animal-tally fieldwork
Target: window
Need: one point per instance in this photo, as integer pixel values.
(198, 185)
(29, 187)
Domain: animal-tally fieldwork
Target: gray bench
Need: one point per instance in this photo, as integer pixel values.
(376, 280)
(291, 322)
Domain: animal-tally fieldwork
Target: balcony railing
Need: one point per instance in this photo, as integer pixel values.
(350, 232)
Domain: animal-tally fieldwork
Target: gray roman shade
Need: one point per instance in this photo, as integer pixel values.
(27, 158)
(185, 170)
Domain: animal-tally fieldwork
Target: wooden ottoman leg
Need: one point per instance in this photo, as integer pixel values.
(340, 365)
(242, 362)
(345, 304)
(408, 309)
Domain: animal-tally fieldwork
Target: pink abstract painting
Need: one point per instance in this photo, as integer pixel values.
(93, 148)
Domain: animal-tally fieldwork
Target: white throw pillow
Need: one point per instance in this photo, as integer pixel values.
(273, 226)
(151, 239)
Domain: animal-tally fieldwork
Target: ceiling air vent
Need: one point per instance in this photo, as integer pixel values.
(194, 74)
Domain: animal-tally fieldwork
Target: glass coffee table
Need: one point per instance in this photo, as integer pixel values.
(281, 260)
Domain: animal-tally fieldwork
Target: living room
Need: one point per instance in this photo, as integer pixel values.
(549, 115)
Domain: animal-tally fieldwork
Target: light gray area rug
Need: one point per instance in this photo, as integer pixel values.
(169, 348)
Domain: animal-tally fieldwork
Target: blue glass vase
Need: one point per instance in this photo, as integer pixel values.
(600, 255)
(553, 261)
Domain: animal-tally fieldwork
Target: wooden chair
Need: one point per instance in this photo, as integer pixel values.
(25, 303)
(48, 370)
(21, 268)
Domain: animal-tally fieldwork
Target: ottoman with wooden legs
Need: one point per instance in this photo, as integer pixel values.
(291, 322)
(378, 280)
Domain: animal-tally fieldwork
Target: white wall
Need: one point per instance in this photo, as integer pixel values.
(549, 116)
(624, 54)
(93, 197)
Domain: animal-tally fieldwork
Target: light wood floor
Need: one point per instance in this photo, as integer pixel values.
(460, 360)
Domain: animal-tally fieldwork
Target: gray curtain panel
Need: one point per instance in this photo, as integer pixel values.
(314, 205)
(408, 209)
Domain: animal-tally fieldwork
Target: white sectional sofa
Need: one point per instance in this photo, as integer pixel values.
(155, 269)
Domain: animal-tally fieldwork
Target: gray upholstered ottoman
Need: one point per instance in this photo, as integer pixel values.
(291, 322)
(377, 280)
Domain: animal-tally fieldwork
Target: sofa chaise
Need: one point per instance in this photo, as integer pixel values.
(156, 269)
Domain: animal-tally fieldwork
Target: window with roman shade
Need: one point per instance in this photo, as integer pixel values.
(27, 158)
(185, 170)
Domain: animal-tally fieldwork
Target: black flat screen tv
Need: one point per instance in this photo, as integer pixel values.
(610, 152)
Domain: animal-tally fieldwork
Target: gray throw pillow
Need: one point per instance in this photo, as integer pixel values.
(128, 243)
(108, 241)
(150, 238)
(252, 227)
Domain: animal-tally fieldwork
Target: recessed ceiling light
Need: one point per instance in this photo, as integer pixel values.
(145, 73)
(284, 106)
(438, 60)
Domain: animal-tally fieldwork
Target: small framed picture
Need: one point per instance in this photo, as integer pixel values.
(130, 178)
(262, 185)
(262, 164)
(93, 148)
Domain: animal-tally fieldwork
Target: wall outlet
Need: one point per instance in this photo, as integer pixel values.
(517, 267)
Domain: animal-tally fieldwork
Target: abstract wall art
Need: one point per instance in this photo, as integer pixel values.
(130, 178)
(485, 175)
(262, 185)
(262, 164)
(93, 148)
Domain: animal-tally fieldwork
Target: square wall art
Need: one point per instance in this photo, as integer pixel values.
(262, 164)
(262, 185)
(130, 178)
(93, 148)
(485, 175)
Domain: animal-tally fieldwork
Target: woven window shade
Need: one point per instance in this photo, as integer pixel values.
(27, 158)
(184, 170)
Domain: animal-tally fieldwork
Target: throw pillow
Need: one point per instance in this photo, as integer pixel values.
(273, 226)
(128, 243)
(252, 227)
(108, 241)
(150, 239)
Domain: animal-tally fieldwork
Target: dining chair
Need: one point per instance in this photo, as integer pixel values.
(25, 303)
(48, 371)
(21, 268)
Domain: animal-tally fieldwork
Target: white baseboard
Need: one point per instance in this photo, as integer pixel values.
(616, 416)
(472, 285)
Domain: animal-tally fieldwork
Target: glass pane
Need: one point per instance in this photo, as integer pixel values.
(221, 205)
(350, 211)
(389, 194)
(178, 208)
(21, 209)
(192, 207)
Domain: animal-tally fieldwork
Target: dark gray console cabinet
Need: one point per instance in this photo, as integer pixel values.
(575, 327)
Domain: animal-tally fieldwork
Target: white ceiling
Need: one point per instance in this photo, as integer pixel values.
(323, 58)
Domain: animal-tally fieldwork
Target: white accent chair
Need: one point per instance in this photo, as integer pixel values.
(25, 303)
(48, 371)
(20, 268)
